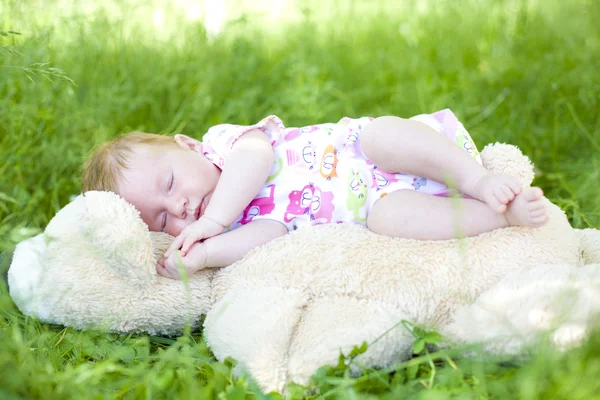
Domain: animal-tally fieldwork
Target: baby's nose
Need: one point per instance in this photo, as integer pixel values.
(179, 209)
(184, 208)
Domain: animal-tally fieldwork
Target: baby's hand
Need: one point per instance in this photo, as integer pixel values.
(204, 228)
(194, 261)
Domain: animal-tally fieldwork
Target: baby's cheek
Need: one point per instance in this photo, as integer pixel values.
(176, 226)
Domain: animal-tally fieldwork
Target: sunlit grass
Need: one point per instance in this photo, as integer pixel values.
(513, 71)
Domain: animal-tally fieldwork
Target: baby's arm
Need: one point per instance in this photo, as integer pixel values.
(225, 249)
(246, 169)
(222, 250)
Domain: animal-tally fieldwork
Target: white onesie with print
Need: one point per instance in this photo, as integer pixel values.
(321, 175)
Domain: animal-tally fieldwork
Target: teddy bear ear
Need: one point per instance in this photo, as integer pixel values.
(65, 222)
(113, 231)
(117, 235)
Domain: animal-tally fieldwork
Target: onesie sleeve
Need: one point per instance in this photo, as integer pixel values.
(219, 140)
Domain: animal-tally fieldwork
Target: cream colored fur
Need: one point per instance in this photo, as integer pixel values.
(293, 304)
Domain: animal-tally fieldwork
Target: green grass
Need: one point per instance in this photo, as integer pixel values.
(513, 71)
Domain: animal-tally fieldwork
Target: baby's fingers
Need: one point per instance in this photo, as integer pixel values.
(176, 245)
(189, 241)
(162, 271)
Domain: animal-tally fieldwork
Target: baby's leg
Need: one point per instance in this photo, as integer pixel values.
(413, 215)
(400, 145)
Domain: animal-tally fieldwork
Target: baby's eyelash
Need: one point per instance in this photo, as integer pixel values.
(164, 222)
(171, 181)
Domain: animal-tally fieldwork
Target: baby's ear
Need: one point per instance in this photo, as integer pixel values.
(187, 142)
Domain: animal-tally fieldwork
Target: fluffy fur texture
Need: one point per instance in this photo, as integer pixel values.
(291, 305)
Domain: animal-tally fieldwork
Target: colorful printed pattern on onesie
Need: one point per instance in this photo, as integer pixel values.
(320, 174)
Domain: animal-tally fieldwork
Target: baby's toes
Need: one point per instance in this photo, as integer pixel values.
(514, 185)
(502, 194)
(498, 201)
(533, 194)
(539, 221)
(510, 195)
(538, 213)
(535, 205)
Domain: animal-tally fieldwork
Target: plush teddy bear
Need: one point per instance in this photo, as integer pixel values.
(293, 304)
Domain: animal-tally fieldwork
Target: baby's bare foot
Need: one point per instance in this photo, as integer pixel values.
(497, 191)
(528, 209)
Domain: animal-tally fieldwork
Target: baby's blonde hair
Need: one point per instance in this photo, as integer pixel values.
(110, 159)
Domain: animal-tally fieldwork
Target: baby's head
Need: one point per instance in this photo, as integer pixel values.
(105, 167)
(168, 179)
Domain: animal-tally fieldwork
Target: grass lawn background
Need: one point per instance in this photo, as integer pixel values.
(522, 72)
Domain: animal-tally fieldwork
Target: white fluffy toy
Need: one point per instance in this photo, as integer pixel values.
(292, 305)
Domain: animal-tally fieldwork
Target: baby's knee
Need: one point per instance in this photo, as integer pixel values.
(381, 138)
